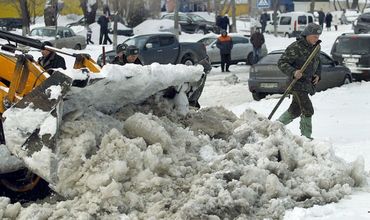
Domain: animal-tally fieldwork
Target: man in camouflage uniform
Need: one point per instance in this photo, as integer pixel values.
(291, 63)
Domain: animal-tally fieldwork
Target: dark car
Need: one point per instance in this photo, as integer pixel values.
(193, 23)
(362, 24)
(266, 78)
(10, 23)
(122, 29)
(353, 51)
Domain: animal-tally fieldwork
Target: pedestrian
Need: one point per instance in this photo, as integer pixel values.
(225, 22)
(257, 40)
(120, 57)
(336, 21)
(344, 18)
(218, 23)
(263, 20)
(170, 6)
(321, 18)
(290, 64)
(88, 35)
(328, 20)
(103, 22)
(50, 60)
(225, 44)
(131, 55)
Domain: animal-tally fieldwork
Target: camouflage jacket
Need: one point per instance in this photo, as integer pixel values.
(293, 59)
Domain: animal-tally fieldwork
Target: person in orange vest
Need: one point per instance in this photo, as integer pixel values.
(225, 44)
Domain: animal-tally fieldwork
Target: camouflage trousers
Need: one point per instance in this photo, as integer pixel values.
(301, 105)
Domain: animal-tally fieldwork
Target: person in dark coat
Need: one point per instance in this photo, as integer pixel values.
(290, 63)
(225, 44)
(257, 40)
(328, 20)
(225, 22)
(263, 20)
(321, 18)
(103, 22)
(50, 60)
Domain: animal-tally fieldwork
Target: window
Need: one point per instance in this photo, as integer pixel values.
(352, 45)
(67, 33)
(325, 60)
(207, 41)
(166, 40)
(285, 20)
(154, 41)
(310, 19)
(271, 58)
(302, 19)
(239, 40)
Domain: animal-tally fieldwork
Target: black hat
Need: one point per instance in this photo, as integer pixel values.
(131, 50)
(312, 29)
(223, 32)
(121, 48)
(46, 43)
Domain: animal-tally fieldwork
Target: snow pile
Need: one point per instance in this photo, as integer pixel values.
(147, 162)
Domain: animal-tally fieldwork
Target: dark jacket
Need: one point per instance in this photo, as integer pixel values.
(52, 61)
(224, 23)
(321, 16)
(225, 44)
(263, 18)
(124, 61)
(293, 59)
(257, 39)
(103, 22)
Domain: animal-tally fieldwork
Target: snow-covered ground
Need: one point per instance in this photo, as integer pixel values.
(146, 161)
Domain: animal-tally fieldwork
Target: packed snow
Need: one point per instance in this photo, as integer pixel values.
(148, 160)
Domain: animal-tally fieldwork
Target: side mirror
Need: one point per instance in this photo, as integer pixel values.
(149, 45)
(58, 36)
(213, 45)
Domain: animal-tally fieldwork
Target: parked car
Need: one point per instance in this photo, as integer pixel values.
(193, 23)
(163, 48)
(60, 37)
(266, 78)
(122, 29)
(353, 51)
(362, 24)
(290, 24)
(242, 49)
(10, 23)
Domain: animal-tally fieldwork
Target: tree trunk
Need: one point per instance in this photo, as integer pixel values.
(312, 6)
(354, 4)
(25, 17)
(275, 7)
(233, 14)
(176, 20)
(347, 2)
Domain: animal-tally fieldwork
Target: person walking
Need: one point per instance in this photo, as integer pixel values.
(88, 35)
(321, 18)
(257, 40)
(225, 44)
(336, 21)
(50, 60)
(328, 20)
(263, 20)
(290, 63)
(103, 22)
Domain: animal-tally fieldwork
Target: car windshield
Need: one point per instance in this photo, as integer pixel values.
(352, 45)
(137, 41)
(43, 32)
(207, 41)
(271, 58)
(196, 17)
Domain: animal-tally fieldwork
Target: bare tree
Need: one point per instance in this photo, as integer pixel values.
(25, 17)
(312, 6)
(354, 4)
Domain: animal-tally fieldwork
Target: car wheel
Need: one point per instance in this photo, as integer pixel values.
(200, 31)
(250, 59)
(258, 96)
(188, 61)
(347, 79)
(77, 47)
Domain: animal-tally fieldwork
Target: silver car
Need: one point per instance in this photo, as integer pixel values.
(242, 49)
(60, 37)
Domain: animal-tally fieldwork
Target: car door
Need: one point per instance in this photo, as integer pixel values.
(285, 24)
(70, 40)
(241, 49)
(330, 77)
(213, 52)
(170, 49)
(187, 24)
(60, 41)
(152, 50)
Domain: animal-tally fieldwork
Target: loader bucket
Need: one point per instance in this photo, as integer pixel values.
(31, 125)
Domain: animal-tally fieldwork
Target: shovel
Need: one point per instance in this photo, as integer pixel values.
(287, 91)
